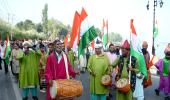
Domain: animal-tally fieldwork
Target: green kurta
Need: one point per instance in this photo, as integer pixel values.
(71, 57)
(28, 75)
(100, 66)
(129, 95)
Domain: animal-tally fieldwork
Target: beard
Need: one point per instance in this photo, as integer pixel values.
(111, 51)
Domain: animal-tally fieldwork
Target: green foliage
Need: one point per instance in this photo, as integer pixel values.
(45, 19)
(7, 29)
(39, 27)
(57, 29)
(98, 31)
(115, 37)
(26, 25)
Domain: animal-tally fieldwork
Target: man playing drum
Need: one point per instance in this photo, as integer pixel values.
(55, 67)
(123, 72)
(98, 65)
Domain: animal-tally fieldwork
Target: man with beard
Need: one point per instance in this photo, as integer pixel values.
(55, 67)
(146, 82)
(123, 71)
(163, 65)
(112, 57)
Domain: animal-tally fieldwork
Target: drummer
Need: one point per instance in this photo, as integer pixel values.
(55, 67)
(124, 68)
(98, 65)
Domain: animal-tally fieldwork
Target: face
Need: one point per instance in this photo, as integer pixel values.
(124, 52)
(98, 51)
(25, 48)
(59, 47)
(145, 45)
(16, 46)
(42, 49)
(111, 49)
(50, 47)
(2, 43)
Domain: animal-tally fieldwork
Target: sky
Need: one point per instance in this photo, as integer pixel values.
(118, 13)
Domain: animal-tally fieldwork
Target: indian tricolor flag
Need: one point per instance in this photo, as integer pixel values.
(7, 50)
(155, 29)
(75, 35)
(87, 32)
(135, 50)
(105, 32)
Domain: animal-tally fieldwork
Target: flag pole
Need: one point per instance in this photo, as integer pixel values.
(130, 51)
(107, 32)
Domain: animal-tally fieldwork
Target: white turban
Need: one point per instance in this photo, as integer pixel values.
(98, 45)
(27, 43)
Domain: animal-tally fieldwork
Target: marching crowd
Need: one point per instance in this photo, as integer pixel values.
(36, 65)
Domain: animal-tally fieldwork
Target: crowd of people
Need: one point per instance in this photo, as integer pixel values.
(37, 64)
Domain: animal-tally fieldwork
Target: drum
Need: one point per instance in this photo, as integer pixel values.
(123, 85)
(66, 88)
(106, 80)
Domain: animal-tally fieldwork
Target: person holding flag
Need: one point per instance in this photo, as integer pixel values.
(147, 82)
(135, 50)
(2, 58)
(124, 70)
(5, 52)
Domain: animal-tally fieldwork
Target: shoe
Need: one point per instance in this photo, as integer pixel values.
(157, 92)
(35, 98)
(110, 95)
(43, 90)
(167, 98)
(82, 71)
(26, 98)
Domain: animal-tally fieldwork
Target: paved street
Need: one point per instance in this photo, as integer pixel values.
(9, 88)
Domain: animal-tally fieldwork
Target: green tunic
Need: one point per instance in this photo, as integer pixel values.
(99, 65)
(28, 75)
(71, 57)
(129, 95)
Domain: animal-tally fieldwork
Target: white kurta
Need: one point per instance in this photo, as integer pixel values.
(15, 63)
(139, 92)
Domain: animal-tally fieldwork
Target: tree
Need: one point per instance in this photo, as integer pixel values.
(20, 25)
(45, 19)
(63, 32)
(26, 25)
(98, 31)
(39, 27)
(115, 37)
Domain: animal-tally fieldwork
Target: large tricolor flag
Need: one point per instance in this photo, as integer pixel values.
(135, 50)
(67, 39)
(75, 36)
(105, 32)
(155, 29)
(87, 32)
(7, 50)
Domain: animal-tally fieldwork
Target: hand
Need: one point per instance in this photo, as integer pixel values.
(78, 72)
(51, 83)
(131, 69)
(140, 77)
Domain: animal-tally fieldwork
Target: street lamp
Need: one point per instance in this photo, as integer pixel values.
(154, 11)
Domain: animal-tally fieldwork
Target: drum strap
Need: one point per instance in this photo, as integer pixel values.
(66, 65)
(133, 74)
